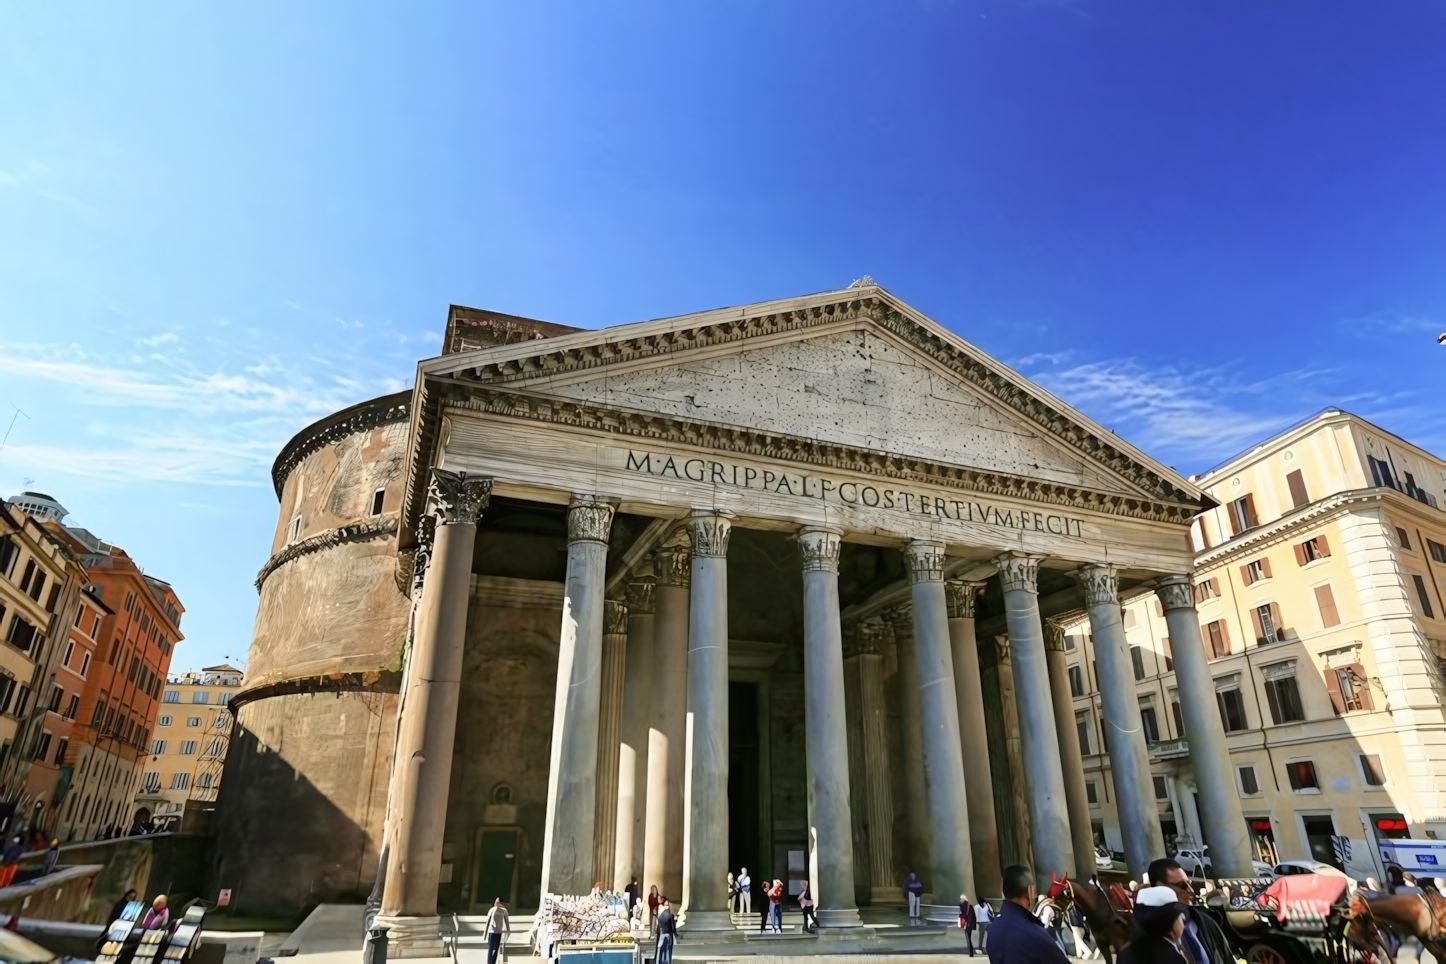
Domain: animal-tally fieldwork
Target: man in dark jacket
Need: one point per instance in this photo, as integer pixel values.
(1203, 941)
(667, 932)
(1016, 936)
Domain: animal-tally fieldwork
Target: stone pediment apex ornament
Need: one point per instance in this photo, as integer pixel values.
(1018, 570)
(454, 498)
(1175, 592)
(615, 618)
(639, 594)
(924, 559)
(820, 547)
(1053, 635)
(864, 282)
(962, 597)
(589, 519)
(1101, 585)
(709, 531)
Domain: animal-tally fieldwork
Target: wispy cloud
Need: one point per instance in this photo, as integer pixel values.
(155, 340)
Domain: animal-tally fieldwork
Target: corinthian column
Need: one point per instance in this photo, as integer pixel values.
(663, 839)
(1221, 819)
(705, 792)
(609, 740)
(951, 859)
(1129, 757)
(973, 738)
(830, 837)
(1039, 739)
(877, 797)
(633, 748)
(911, 732)
(1071, 763)
(567, 849)
(422, 767)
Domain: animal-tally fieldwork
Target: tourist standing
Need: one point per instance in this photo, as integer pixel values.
(633, 891)
(1016, 936)
(667, 933)
(983, 914)
(498, 927)
(1159, 929)
(775, 902)
(914, 887)
(806, 904)
(967, 921)
(745, 886)
(732, 893)
(765, 909)
(654, 901)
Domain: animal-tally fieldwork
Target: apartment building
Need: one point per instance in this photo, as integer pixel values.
(1319, 586)
(193, 729)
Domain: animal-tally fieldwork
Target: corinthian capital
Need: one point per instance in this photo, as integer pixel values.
(1018, 570)
(925, 560)
(961, 597)
(671, 561)
(1101, 585)
(1053, 636)
(615, 618)
(640, 595)
(1175, 592)
(820, 548)
(456, 499)
(709, 531)
(589, 519)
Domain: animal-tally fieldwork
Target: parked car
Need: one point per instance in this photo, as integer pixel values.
(1287, 867)
(1195, 861)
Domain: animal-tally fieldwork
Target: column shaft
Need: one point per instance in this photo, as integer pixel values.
(567, 850)
(974, 740)
(951, 859)
(1129, 756)
(1006, 764)
(609, 741)
(705, 792)
(1071, 762)
(911, 726)
(1039, 739)
(830, 821)
(884, 886)
(422, 767)
(1221, 819)
(633, 747)
(663, 840)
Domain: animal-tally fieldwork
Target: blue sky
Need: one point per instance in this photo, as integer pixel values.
(219, 222)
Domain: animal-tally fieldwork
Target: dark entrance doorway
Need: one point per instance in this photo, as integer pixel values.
(743, 751)
(496, 865)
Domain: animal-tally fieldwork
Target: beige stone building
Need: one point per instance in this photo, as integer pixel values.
(1319, 585)
(192, 734)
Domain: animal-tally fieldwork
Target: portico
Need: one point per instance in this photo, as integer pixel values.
(766, 555)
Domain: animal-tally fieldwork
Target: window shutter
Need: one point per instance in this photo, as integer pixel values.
(1159, 610)
(1251, 519)
(1265, 566)
(1233, 511)
(1225, 637)
(1325, 600)
(1215, 584)
(1245, 575)
(1300, 558)
(1259, 629)
(1333, 687)
(1279, 623)
(1321, 546)
(1273, 702)
(1296, 481)
(1362, 684)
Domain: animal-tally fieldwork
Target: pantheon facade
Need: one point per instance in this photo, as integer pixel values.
(775, 586)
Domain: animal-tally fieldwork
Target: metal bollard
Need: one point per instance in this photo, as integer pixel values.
(374, 951)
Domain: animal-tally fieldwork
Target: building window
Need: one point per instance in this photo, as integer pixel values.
(1242, 514)
(69, 652)
(1249, 785)
(378, 497)
(1266, 621)
(214, 748)
(1082, 726)
(73, 708)
(1151, 727)
(163, 721)
(193, 721)
(1422, 595)
(180, 781)
(158, 747)
(1076, 681)
(1160, 792)
(1381, 472)
(1217, 637)
(1253, 572)
(1137, 657)
(1349, 689)
(172, 696)
(204, 781)
(200, 696)
(84, 664)
(1283, 696)
(1402, 538)
(293, 532)
(1090, 794)
(222, 699)
(1207, 589)
(1325, 601)
(60, 751)
(1311, 549)
(1437, 550)
(43, 746)
(1372, 772)
(1296, 482)
(150, 783)
(1175, 715)
(188, 747)
(1302, 775)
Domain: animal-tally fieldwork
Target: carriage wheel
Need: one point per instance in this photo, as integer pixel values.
(1265, 954)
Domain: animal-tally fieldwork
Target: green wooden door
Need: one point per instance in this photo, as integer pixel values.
(496, 866)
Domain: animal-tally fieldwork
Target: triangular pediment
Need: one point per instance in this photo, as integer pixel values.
(853, 369)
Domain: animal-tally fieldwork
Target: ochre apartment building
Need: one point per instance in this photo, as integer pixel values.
(192, 732)
(1319, 585)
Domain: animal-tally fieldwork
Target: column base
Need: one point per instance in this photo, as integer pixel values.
(695, 921)
(413, 936)
(940, 913)
(844, 917)
(886, 896)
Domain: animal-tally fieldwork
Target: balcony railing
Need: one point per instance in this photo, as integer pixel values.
(1170, 749)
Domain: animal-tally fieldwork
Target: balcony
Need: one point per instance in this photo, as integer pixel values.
(1170, 750)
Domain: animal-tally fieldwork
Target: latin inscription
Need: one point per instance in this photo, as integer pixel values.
(850, 493)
